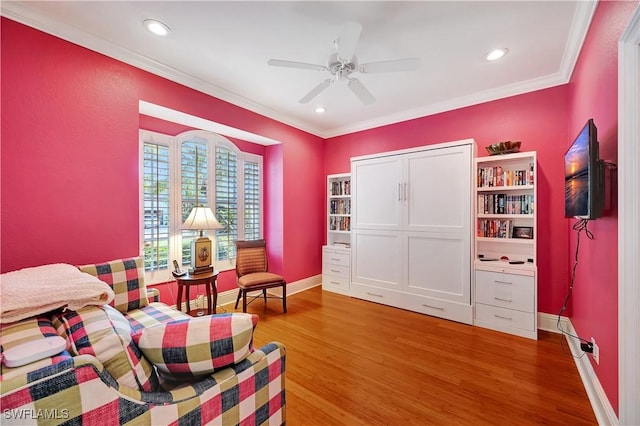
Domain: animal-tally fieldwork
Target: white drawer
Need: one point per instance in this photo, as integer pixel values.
(335, 257)
(506, 290)
(336, 270)
(440, 308)
(376, 294)
(504, 318)
(336, 284)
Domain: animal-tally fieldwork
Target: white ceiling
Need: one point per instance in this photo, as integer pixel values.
(222, 47)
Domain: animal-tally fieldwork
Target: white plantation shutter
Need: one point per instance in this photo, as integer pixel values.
(226, 202)
(156, 206)
(252, 200)
(192, 150)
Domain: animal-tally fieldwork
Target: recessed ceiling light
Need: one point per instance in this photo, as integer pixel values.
(156, 27)
(320, 109)
(496, 54)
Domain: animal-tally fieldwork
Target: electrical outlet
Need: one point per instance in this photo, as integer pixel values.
(596, 351)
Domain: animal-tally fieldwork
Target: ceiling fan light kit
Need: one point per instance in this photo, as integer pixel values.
(344, 62)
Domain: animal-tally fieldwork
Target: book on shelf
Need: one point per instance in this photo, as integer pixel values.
(505, 204)
(341, 187)
(495, 228)
(497, 176)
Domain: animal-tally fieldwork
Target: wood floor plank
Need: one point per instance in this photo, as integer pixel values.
(352, 362)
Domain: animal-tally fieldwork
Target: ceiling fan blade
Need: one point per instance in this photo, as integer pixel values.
(348, 41)
(360, 91)
(409, 64)
(292, 64)
(316, 91)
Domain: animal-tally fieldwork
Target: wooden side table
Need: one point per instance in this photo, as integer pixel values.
(209, 280)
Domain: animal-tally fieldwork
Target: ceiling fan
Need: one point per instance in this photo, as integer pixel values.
(343, 63)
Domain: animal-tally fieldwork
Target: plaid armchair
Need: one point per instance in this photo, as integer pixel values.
(140, 362)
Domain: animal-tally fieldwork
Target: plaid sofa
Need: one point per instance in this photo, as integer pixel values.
(137, 361)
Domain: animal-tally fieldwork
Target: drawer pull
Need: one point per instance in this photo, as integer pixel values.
(433, 307)
(374, 294)
(502, 300)
(501, 317)
(335, 270)
(334, 282)
(503, 282)
(337, 260)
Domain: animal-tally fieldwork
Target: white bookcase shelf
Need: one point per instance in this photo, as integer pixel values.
(506, 230)
(339, 209)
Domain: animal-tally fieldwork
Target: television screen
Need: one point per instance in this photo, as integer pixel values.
(583, 181)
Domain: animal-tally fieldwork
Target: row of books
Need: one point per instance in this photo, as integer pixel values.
(341, 187)
(505, 204)
(341, 223)
(495, 228)
(497, 176)
(340, 206)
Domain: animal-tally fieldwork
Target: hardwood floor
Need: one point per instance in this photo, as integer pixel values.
(352, 362)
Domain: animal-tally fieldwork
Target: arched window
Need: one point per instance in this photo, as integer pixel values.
(191, 169)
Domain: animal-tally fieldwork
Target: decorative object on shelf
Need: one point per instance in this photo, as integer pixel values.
(507, 147)
(523, 232)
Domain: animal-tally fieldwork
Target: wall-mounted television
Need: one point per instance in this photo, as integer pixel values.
(584, 176)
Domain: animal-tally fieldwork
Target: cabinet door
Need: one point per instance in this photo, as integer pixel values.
(377, 258)
(438, 265)
(439, 190)
(377, 193)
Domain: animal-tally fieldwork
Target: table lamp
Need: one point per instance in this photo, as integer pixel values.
(199, 219)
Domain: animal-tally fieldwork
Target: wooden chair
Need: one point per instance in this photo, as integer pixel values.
(252, 273)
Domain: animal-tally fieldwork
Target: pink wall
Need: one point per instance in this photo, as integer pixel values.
(538, 119)
(593, 93)
(70, 146)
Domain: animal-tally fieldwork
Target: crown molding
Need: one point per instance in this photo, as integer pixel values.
(453, 104)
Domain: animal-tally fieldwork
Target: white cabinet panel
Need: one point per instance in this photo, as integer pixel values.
(438, 190)
(438, 265)
(377, 258)
(377, 187)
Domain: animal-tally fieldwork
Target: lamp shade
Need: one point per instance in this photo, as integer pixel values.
(201, 218)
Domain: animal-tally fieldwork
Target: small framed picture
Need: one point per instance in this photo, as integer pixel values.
(523, 232)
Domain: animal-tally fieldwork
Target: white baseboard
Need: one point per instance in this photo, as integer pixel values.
(605, 415)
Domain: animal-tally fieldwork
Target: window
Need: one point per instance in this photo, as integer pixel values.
(196, 168)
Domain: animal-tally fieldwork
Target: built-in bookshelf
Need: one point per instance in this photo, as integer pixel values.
(336, 255)
(339, 209)
(506, 244)
(505, 207)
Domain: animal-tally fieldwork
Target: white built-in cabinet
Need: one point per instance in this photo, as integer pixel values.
(336, 255)
(411, 229)
(506, 233)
